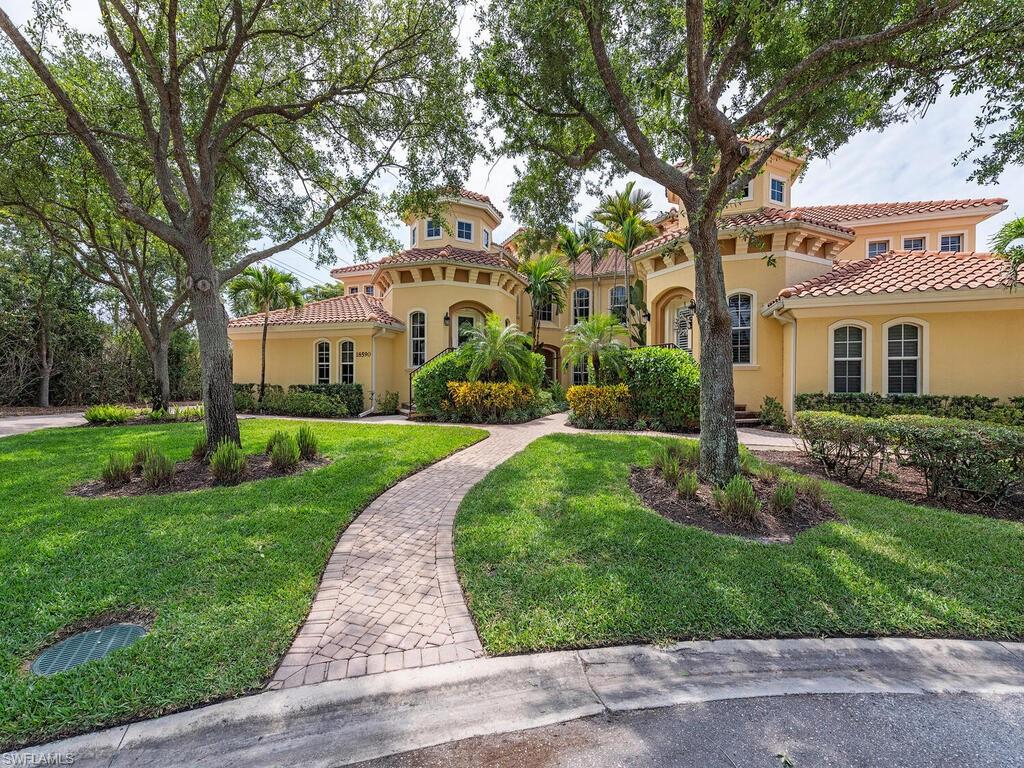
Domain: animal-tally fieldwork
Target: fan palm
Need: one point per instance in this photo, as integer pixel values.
(547, 283)
(1009, 241)
(595, 340)
(495, 351)
(261, 290)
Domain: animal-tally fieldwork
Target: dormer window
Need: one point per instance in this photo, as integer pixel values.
(464, 230)
(749, 193)
(487, 239)
(778, 191)
(433, 229)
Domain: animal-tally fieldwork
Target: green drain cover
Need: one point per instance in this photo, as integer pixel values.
(86, 646)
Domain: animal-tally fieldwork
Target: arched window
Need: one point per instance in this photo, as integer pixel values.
(417, 339)
(617, 302)
(323, 362)
(348, 363)
(684, 328)
(740, 310)
(580, 374)
(580, 305)
(903, 348)
(848, 359)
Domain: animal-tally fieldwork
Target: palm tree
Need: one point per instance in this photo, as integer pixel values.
(572, 245)
(597, 247)
(1009, 242)
(593, 340)
(547, 283)
(496, 350)
(622, 216)
(260, 290)
(324, 291)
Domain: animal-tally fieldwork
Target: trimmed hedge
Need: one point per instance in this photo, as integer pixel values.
(430, 383)
(303, 404)
(873, 404)
(349, 394)
(605, 407)
(955, 457)
(664, 387)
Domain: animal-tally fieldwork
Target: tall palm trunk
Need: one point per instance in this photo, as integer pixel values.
(596, 360)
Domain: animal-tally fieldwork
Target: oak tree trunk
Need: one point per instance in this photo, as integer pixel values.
(214, 349)
(45, 365)
(719, 448)
(158, 357)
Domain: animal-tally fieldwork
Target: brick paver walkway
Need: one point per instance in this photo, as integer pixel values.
(390, 598)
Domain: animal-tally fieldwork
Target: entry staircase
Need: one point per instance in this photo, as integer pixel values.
(745, 418)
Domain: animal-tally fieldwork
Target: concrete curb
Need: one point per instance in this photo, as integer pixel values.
(348, 721)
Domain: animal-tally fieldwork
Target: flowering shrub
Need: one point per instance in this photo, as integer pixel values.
(600, 407)
(487, 401)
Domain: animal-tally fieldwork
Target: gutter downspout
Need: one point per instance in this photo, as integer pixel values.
(373, 373)
(790, 322)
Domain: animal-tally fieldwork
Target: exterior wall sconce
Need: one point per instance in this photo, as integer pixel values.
(647, 316)
(447, 320)
(692, 306)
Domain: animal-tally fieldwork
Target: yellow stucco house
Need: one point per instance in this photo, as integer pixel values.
(879, 297)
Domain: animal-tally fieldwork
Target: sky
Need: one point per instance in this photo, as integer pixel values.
(912, 161)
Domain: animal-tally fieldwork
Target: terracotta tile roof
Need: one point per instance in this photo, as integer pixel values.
(611, 263)
(512, 237)
(368, 266)
(906, 272)
(478, 197)
(353, 308)
(856, 211)
(762, 217)
(448, 253)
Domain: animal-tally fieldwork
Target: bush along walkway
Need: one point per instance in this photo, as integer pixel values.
(390, 598)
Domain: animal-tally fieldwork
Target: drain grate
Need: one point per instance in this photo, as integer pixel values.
(86, 646)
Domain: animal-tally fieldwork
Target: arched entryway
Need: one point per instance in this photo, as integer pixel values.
(672, 319)
(463, 316)
(552, 361)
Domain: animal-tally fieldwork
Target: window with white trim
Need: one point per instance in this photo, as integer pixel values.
(914, 243)
(580, 374)
(464, 230)
(368, 290)
(877, 248)
(778, 191)
(684, 328)
(748, 193)
(580, 305)
(323, 362)
(848, 359)
(617, 302)
(951, 243)
(487, 238)
(740, 312)
(433, 229)
(545, 313)
(412, 236)
(904, 359)
(353, 289)
(417, 339)
(347, 373)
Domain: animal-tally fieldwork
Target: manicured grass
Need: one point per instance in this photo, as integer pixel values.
(555, 551)
(229, 572)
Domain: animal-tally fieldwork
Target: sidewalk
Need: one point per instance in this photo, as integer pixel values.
(348, 721)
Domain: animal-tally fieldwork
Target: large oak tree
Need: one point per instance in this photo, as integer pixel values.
(673, 91)
(293, 110)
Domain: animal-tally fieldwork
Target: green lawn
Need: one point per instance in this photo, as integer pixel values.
(555, 551)
(230, 573)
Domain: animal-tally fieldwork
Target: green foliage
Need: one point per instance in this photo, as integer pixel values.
(593, 407)
(245, 402)
(737, 501)
(666, 462)
(110, 414)
(200, 448)
(284, 455)
(157, 469)
(487, 401)
(300, 403)
(161, 414)
(279, 436)
(1009, 240)
(547, 282)
(557, 392)
(430, 382)
(813, 490)
(664, 385)
(848, 447)
(117, 471)
(189, 413)
(309, 446)
(350, 395)
(227, 463)
(784, 497)
(141, 455)
(596, 341)
(873, 404)
(498, 352)
(688, 484)
(772, 413)
(387, 403)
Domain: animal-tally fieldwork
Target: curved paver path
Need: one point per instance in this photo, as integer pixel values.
(390, 598)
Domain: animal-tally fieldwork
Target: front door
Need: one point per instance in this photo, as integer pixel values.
(466, 323)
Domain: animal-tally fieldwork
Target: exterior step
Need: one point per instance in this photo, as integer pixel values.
(748, 414)
(748, 422)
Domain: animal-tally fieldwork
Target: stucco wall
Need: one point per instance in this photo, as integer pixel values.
(930, 229)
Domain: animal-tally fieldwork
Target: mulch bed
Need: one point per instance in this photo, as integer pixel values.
(905, 484)
(702, 511)
(192, 475)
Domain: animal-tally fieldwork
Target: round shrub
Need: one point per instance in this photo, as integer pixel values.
(430, 382)
(227, 464)
(664, 386)
(600, 407)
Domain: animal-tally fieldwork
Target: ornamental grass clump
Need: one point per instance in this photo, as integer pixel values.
(666, 462)
(117, 471)
(109, 414)
(813, 491)
(784, 497)
(279, 436)
(141, 456)
(284, 457)
(687, 485)
(738, 502)
(157, 470)
(227, 464)
(199, 448)
(309, 447)
(689, 454)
